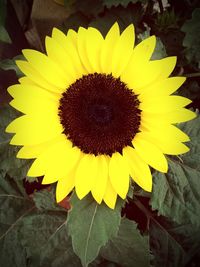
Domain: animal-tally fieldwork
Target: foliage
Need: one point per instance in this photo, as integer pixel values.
(9, 64)
(16, 168)
(4, 36)
(174, 245)
(37, 232)
(192, 37)
(90, 228)
(176, 194)
(128, 247)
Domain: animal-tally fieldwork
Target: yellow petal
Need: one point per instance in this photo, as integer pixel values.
(119, 174)
(59, 55)
(139, 71)
(86, 174)
(111, 39)
(167, 144)
(139, 170)
(43, 161)
(30, 152)
(139, 75)
(47, 68)
(144, 50)
(31, 130)
(64, 187)
(26, 81)
(122, 51)
(62, 160)
(35, 76)
(171, 131)
(162, 88)
(63, 167)
(69, 43)
(31, 99)
(98, 190)
(37, 168)
(164, 104)
(60, 37)
(150, 153)
(21, 90)
(167, 65)
(81, 44)
(93, 44)
(110, 196)
(73, 36)
(176, 116)
(49, 180)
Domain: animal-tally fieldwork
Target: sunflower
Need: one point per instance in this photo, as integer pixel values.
(97, 111)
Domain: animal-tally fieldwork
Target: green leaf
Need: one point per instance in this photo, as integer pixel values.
(16, 168)
(45, 200)
(32, 237)
(192, 128)
(124, 3)
(7, 114)
(192, 37)
(9, 64)
(44, 234)
(129, 248)
(58, 251)
(4, 37)
(173, 245)
(15, 205)
(177, 193)
(91, 225)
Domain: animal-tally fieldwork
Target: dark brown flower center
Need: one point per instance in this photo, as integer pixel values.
(99, 114)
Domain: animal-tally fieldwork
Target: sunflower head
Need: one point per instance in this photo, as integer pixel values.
(97, 112)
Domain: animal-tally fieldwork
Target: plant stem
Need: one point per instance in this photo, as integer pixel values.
(192, 75)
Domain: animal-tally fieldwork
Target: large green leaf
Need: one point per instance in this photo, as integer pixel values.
(32, 237)
(44, 234)
(173, 245)
(177, 193)
(15, 205)
(192, 128)
(129, 248)
(91, 226)
(192, 37)
(16, 168)
(58, 252)
(45, 238)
